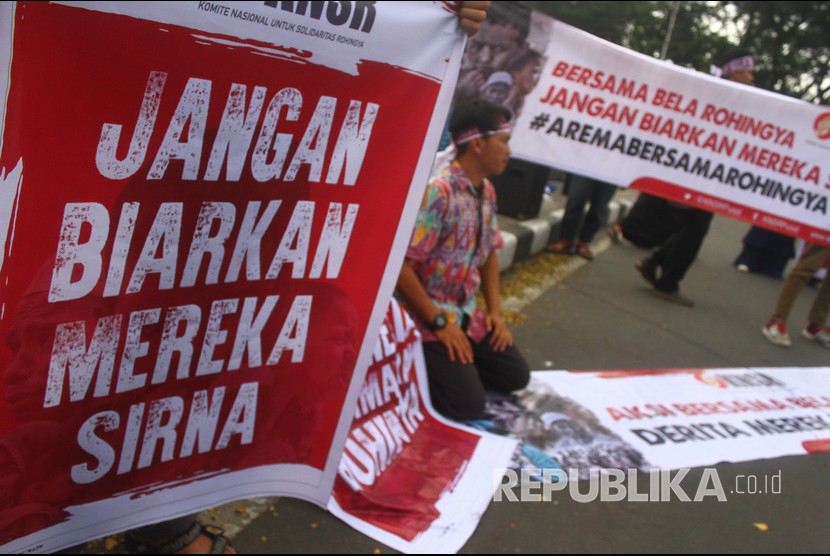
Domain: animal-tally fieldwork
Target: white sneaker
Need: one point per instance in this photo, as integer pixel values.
(822, 336)
(776, 333)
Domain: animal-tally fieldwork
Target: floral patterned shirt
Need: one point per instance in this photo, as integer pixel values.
(455, 232)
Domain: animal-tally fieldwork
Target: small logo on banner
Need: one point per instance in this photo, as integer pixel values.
(821, 127)
(710, 380)
(358, 15)
(737, 380)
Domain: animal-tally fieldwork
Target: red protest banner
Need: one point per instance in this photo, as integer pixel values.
(199, 214)
(408, 477)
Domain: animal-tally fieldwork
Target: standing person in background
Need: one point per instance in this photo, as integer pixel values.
(581, 191)
(450, 257)
(667, 266)
(764, 251)
(775, 331)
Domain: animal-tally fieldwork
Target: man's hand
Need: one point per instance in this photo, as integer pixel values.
(457, 344)
(501, 338)
(472, 14)
(470, 82)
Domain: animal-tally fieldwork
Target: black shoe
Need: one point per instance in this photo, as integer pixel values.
(674, 297)
(648, 270)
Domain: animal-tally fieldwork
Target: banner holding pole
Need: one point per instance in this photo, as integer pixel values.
(201, 232)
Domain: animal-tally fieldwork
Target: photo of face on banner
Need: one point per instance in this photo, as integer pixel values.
(503, 61)
(555, 431)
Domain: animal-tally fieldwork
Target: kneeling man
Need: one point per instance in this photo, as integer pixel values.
(450, 257)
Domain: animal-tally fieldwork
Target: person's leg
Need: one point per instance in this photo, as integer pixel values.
(821, 305)
(807, 265)
(579, 193)
(501, 371)
(816, 329)
(601, 195)
(649, 223)
(776, 328)
(456, 390)
(680, 252)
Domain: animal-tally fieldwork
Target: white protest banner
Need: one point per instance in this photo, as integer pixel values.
(408, 477)
(666, 419)
(593, 108)
(205, 206)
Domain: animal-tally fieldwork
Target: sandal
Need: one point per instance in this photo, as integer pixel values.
(584, 251)
(561, 247)
(219, 542)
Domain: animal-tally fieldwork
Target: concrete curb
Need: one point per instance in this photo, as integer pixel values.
(525, 238)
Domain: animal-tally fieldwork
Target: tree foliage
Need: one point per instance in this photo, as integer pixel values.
(788, 39)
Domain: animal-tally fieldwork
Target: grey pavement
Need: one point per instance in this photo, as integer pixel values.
(602, 316)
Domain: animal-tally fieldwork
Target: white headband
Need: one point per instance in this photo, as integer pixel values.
(744, 63)
(470, 134)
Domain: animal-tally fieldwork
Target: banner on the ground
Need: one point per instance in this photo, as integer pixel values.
(200, 230)
(408, 478)
(665, 419)
(590, 107)
(419, 484)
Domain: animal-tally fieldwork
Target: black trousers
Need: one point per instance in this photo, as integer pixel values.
(649, 223)
(457, 390)
(679, 251)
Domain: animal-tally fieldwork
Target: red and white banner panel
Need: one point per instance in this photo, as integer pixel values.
(204, 207)
(418, 484)
(593, 108)
(665, 419)
(409, 478)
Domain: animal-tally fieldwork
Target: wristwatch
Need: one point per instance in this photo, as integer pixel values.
(438, 323)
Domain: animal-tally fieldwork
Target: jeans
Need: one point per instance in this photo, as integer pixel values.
(581, 191)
